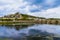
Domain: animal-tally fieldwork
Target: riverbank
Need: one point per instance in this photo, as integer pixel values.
(29, 22)
(16, 23)
(39, 21)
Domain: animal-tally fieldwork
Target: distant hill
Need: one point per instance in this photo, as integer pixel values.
(21, 16)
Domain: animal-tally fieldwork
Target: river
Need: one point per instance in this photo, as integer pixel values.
(18, 32)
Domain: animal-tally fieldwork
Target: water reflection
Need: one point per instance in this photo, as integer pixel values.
(13, 30)
(17, 27)
(22, 31)
(35, 32)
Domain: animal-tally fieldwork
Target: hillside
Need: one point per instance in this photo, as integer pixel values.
(21, 16)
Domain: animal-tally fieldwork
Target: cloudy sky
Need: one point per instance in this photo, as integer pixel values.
(42, 8)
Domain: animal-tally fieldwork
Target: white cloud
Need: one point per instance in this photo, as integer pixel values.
(11, 1)
(28, 8)
(50, 2)
(49, 13)
(15, 4)
(12, 6)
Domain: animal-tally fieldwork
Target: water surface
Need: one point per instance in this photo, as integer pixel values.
(21, 31)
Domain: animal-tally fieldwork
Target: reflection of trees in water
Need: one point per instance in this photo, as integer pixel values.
(37, 38)
(17, 27)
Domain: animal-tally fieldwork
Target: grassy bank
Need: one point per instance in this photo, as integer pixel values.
(14, 23)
